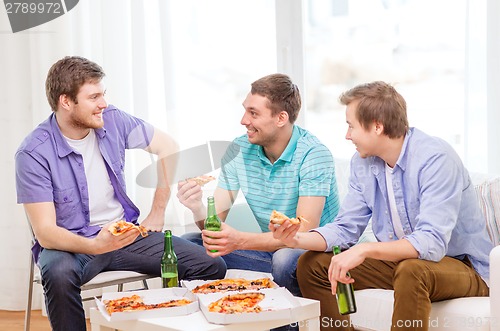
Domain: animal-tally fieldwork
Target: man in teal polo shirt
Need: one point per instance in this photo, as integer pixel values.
(278, 166)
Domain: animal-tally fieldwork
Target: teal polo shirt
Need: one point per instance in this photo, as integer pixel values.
(305, 168)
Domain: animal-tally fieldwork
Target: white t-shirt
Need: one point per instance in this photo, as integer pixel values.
(103, 204)
(396, 221)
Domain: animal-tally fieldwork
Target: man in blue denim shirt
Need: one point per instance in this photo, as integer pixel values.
(432, 243)
(70, 178)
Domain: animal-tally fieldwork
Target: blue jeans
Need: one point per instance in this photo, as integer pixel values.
(282, 264)
(63, 273)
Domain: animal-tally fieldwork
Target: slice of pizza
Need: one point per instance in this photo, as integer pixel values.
(280, 218)
(129, 303)
(261, 283)
(233, 284)
(169, 304)
(120, 227)
(222, 285)
(238, 303)
(201, 180)
(136, 303)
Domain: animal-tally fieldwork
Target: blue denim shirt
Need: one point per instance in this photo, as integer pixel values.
(435, 199)
(49, 170)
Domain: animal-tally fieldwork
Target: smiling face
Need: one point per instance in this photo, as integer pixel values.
(365, 139)
(262, 126)
(77, 118)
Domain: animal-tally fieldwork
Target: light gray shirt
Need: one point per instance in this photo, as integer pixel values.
(435, 200)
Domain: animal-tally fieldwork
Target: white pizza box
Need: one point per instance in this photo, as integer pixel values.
(247, 274)
(277, 305)
(150, 297)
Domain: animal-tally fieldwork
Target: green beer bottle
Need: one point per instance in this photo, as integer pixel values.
(169, 273)
(345, 293)
(212, 222)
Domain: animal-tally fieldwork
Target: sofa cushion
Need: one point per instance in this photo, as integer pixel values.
(488, 194)
(375, 312)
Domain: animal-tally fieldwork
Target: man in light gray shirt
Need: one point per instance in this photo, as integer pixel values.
(432, 243)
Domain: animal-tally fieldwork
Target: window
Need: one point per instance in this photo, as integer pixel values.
(407, 43)
(218, 48)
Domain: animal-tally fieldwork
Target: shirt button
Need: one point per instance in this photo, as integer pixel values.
(390, 236)
(65, 199)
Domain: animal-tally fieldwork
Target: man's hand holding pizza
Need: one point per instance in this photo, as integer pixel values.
(105, 241)
(189, 193)
(285, 229)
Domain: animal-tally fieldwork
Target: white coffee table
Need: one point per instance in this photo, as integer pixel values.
(306, 315)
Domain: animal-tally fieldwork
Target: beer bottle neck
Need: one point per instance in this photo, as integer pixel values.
(168, 241)
(211, 207)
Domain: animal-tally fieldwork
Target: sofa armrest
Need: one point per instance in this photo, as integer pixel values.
(495, 288)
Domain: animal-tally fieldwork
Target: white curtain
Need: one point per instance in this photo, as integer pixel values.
(110, 33)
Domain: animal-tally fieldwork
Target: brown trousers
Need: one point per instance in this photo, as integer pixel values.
(416, 283)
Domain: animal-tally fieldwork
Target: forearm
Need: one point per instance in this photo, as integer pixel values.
(42, 218)
(58, 238)
(259, 242)
(388, 251)
(199, 216)
(312, 241)
(166, 149)
(160, 200)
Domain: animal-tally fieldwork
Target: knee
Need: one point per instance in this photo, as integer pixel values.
(309, 267)
(209, 268)
(219, 267)
(60, 272)
(194, 237)
(408, 273)
(284, 263)
(285, 259)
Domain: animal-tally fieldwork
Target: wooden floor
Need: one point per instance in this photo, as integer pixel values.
(14, 321)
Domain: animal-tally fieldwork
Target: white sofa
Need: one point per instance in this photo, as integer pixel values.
(374, 306)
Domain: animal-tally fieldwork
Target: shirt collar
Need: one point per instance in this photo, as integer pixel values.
(377, 165)
(62, 146)
(287, 154)
(403, 156)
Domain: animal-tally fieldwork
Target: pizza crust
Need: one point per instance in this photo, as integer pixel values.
(201, 180)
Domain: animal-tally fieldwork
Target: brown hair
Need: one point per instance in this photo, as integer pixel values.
(67, 75)
(379, 102)
(283, 95)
